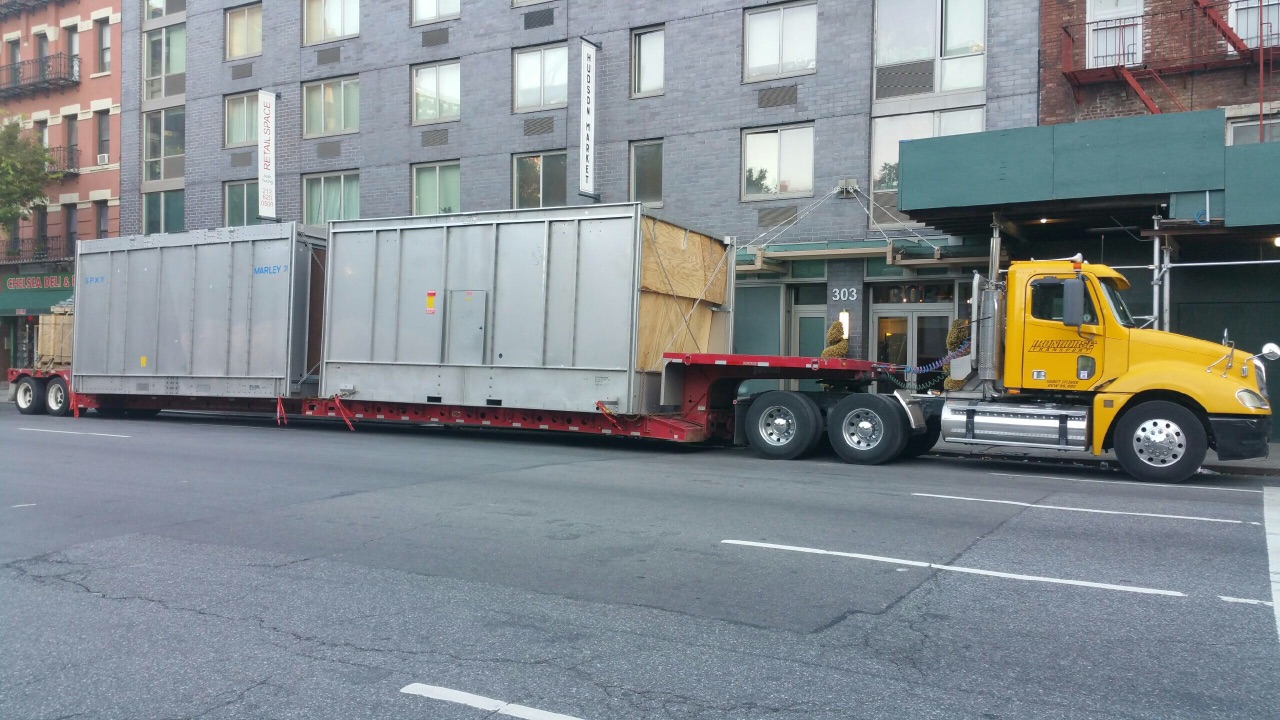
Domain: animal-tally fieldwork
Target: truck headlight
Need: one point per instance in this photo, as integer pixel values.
(1260, 370)
(1251, 400)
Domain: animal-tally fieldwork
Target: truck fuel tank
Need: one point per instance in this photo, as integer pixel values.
(1058, 427)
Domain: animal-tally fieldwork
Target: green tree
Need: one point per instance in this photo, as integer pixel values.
(24, 173)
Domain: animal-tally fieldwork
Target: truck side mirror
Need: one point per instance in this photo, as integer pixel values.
(1073, 302)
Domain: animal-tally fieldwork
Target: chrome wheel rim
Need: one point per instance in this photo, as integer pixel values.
(57, 396)
(25, 395)
(1159, 442)
(863, 429)
(777, 426)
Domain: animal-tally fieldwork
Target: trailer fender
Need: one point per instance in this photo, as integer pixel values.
(915, 415)
(13, 391)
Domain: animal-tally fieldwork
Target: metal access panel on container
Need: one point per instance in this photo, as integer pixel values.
(206, 313)
(527, 309)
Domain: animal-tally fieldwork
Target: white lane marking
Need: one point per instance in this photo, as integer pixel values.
(1083, 510)
(1246, 601)
(1128, 482)
(70, 432)
(24, 505)
(483, 703)
(959, 569)
(1271, 517)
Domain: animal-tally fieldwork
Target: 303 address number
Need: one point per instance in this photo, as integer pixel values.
(844, 294)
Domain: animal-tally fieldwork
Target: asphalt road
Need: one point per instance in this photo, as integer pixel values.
(190, 567)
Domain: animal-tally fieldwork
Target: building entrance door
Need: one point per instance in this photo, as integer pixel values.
(808, 337)
(913, 337)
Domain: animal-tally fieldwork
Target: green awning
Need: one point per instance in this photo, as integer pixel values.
(33, 301)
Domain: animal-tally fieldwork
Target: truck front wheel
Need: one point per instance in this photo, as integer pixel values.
(783, 425)
(867, 429)
(30, 397)
(1160, 441)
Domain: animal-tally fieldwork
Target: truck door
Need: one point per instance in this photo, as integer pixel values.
(1058, 357)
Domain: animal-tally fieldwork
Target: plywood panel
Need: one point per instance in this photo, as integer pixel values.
(662, 328)
(53, 344)
(682, 263)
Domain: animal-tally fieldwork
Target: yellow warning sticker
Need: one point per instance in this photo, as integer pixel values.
(144, 361)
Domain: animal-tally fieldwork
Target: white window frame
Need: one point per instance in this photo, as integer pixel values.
(1094, 16)
(636, 58)
(939, 58)
(632, 174)
(413, 178)
(226, 30)
(165, 71)
(102, 37)
(306, 41)
(226, 116)
(746, 47)
(413, 90)
(164, 115)
(226, 202)
(163, 194)
(344, 174)
(742, 162)
(542, 177)
(414, 20)
(167, 12)
(342, 82)
(1273, 37)
(1251, 122)
(937, 128)
(542, 76)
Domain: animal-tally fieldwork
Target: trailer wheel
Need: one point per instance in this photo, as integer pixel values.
(1160, 441)
(57, 401)
(30, 397)
(782, 425)
(918, 445)
(867, 429)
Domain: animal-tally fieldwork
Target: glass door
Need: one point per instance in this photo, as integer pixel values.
(808, 337)
(910, 337)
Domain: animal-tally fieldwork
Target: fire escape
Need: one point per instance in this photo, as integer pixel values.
(1206, 35)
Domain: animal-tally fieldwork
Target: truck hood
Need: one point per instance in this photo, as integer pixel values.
(1150, 345)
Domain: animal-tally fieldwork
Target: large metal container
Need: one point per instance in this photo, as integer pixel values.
(541, 309)
(206, 313)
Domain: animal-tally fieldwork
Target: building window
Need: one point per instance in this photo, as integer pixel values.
(162, 212)
(41, 128)
(240, 204)
(101, 219)
(331, 20)
(164, 67)
(73, 50)
(160, 8)
(164, 151)
(72, 134)
(781, 42)
(437, 93)
(40, 215)
(646, 172)
(241, 120)
(331, 107)
(70, 229)
(928, 46)
(244, 31)
(540, 180)
(542, 78)
(102, 30)
(1245, 132)
(888, 132)
(1244, 18)
(437, 189)
(647, 53)
(1113, 33)
(777, 162)
(335, 196)
(427, 11)
(102, 121)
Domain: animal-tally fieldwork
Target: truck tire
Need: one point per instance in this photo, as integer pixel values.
(783, 425)
(918, 445)
(867, 429)
(57, 401)
(1160, 441)
(30, 397)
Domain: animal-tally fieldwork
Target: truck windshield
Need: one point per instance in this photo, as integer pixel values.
(1116, 301)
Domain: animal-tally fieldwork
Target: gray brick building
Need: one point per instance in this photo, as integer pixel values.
(808, 94)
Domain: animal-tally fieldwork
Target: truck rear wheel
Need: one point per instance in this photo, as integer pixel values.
(1160, 441)
(867, 429)
(783, 425)
(30, 397)
(56, 398)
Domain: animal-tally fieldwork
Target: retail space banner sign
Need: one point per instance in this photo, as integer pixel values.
(267, 155)
(587, 122)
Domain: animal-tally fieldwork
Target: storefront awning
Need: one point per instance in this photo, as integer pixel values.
(32, 302)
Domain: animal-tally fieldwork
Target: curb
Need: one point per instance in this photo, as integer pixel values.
(1099, 462)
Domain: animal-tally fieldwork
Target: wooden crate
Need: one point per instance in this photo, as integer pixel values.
(684, 274)
(54, 340)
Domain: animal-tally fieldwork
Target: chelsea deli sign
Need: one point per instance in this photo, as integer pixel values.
(587, 122)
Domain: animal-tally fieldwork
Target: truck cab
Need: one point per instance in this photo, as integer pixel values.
(1062, 364)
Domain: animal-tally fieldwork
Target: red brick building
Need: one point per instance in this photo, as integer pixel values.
(1116, 58)
(60, 78)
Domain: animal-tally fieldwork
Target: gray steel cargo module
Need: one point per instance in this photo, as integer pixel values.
(207, 313)
(553, 309)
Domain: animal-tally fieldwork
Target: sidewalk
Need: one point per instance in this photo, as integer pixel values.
(1269, 465)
